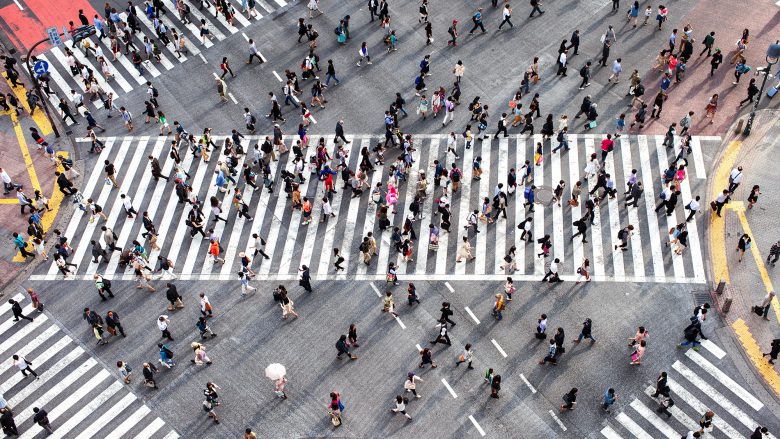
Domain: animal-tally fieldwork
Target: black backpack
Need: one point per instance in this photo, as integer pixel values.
(584, 71)
(155, 93)
(106, 283)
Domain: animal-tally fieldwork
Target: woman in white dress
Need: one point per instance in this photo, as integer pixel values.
(464, 251)
(592, 167)
(314, 5)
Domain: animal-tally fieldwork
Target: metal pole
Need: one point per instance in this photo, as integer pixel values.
(752, 116)
(38, 88)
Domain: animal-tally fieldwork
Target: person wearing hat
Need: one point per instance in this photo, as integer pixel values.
(453, 31)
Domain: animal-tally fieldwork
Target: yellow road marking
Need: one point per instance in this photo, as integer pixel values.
(754, 352)
(25, 152)
(39, 116)
(718, 253)
(9, 201)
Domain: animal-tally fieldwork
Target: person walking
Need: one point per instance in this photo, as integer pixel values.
(24, 366)
(41, 417)
(16, 309)
(743, 244)
(113, 324)
(586, 332)
(507, 15)
(162, 323)
(570, 400)
(400, 406)
(691, 333)
(443, 336)
(410, 385)
(342, 348)
(304, 278)
(466, 357)
(7, 422)
(773, 351)
(148, 372)
(665, 404)
(210, 403)
(495, 386)
(660, 385)
(498, 307)
(609, 399)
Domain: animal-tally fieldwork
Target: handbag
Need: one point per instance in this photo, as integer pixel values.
(592, 124)
(335, 420)
(461, 358)
(634, 356)
(758, 310)
(574, 202)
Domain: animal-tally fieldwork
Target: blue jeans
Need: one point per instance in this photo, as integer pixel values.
(329, 77)
(401, 109)
(497, 314)
(694, 343)
(564, 144)
(579, 339)
(288, 99)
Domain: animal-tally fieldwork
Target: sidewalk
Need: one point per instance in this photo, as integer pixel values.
(750, 280)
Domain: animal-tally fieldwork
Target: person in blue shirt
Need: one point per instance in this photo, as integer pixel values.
(477, 19)
(609, 399)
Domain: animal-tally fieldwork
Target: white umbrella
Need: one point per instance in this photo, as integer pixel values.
(275, 371)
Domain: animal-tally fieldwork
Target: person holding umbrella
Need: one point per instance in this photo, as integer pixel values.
(277, 372)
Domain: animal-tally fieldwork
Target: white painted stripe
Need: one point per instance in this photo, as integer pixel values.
(368, 225)
(527, 383)
(376, 290)
(138, 41)
(126, 63)
(578, 251)
(150, 429)
(614, 220)
(466, 182)
(652, 221)
(106, 417)
(10, 323)
(352, 217)
(98, 76)
(423, 250)
(5, 306)
(633, 216)
(59, 82)
(279, 78)
(598, 261)
(700, 407)
(66, 88)
(213, 29)
(192, 48)
(447, 385)
(163, 60)
(403, 212)
(35, 343)
(171, 435)
(609, 433)
(326, 242)
(652, 418)
(400, 323)
(698, 158)
(273, 233)
(201, 55)
(677, 414)
(484, 191)
(87, 410)
(129, 423)
(19, 5)
(557, 420)
(713, 348)
(500, 350)
(557, 232)
(468, 310)
(80, 250)
(419, 348)
(444, 237)
(138, 199)
(21, 334)
(693, 228)
(232, 98)
(476, 425)
(238, 231)
(714, 395)
(632, 426)
(539, 232)
(99, 72)
(281, 3)
(265, 6)
(671, 221)
(449, 287)
(725, 380)
(500, 241)
(296, 220)
(195, 30)
(54, 391)
(221, 18)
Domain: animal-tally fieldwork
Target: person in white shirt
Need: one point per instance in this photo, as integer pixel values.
(452, 143)
(735, 178)
(721, 201)
(400, 406)
(253, 52)
(694, 207)
(24, 366)
(162, 323)
(128, 204)
(77, 99)
(617, 68)
(552, 272)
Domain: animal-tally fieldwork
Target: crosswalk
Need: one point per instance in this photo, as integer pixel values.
(82, 398)
(124, 77)
(291, 244)
(697, 385)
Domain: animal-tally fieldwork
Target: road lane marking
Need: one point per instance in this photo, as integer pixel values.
(476, 320)
(654, 419)
(447, 385)
(527, 383)
(476, 425)
(609, 433)
(279, 78)
(560, 424)
(631, 426)
(449, 287)
(501, 351)
(419, 348)
(400, 322)
(203, 58)
(376, 290)
(232, 98)
(713, 348)
(724, 379)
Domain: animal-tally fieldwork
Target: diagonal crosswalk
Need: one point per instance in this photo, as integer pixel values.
(695, 382)
(82, 398)
(124, 76)
(291, 244)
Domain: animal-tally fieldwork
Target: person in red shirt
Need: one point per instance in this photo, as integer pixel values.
(607, 145)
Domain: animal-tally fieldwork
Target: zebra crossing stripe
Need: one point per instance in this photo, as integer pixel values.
(33, 344)
(464, 211)
(693, 234)
(213, 29)
(368, 225)
(276, 222)
(700, 407)
(8, 324)
(520, 214)
(330, 225)
(99, 76)
(238, 226)
(106, 417)
(21, 334)
(576, 212)
(60, 82)
(677, 414)
(595, 229)
(716, 396)
(484, 191)
(501, 248)
(87, 410)
(538, 172)
(352, 214)
(609, 433)
(311, 229)
(404, 199)
(265, 6)
(44, 377)
(139, 42)
(295, 220)
(671, 220)
(614, 219)
(171, 435)
(281, 3)
(557, 232)
(633, 215)
(423, 249)
(651, 417)
(57, 53)
(143, 19)
(725, 380)
(713, 349)
(632, 426)
(191, 44)
(150, 429)
(129, 423)
(125, 63)
(6, 306)
(652, 220)
(698, 158)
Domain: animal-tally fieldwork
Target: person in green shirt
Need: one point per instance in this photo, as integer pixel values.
(709, 42)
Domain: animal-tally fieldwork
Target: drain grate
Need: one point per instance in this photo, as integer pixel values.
(700, 297)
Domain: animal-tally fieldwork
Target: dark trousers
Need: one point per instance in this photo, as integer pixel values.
(118, 327)
(167, 334)
(585, 81)
(28, 369)
(773, 257)
(501, 129)
(254, 55)
(506, 20)
(21, 316)
(479, 25)
(445, 339)
(25, 253)
(535, 10)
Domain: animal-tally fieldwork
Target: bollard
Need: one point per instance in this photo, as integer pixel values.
(720, 288)
(726, 304)
(738, 130)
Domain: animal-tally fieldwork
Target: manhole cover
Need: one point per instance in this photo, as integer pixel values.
(544, 195)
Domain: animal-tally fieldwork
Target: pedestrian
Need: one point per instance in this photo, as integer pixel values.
(609, 399)
(400, 406)
(162, 323)
(41, 418)
(200, 354)
(586, 332)
(773, 352)
(495, 386)
(639, 352)
(466, 357)
(706, 422)
(744, 243)
(763, 308)
(125, 371)
(148, 372)
(426, 358)
(443, 336)
(279, 387)
(535, 4)
(498, 307)
(453, 31)
(624, 235)
(304, 278)
(664, 406)
(343, 348)
(760, 433)
(660, 386)
(16, 309)
(24, 366)
(691, 333)
(569, 399)
(641, 334)
(113, 324)
(552, 272)
(410, 385)
(103, 286)
(363, 53)
(173, 296)
(210, 403)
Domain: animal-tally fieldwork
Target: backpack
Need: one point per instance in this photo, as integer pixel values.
(639, 90)
(560, 136)
(584, 71)
(167, 351)
(106, 283)
(155, 93)
(455, 175)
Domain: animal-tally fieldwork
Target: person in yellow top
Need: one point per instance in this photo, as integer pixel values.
(249, 434)
(214, 251)
(499, 306)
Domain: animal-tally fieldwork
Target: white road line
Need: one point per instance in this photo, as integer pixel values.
(595, 230)
(698, 159)
(614, 220)
(107, 417)
(576, 213)
(402, 209)
(693, 228)
(633, 215)
(476, 320)
(276, 222)
(725, 380)
(652, 418)
(447, 385)
(151, 429)
(484, 191)
(632, 426)
(188, 44)
(163, 60)
(368, 224)
(500, 350)
(444, 237)
(6, 306)
(60, 82)
(278, 78)
(281, 3)
(60, 56)
(213, 29)
(352, 217)
(8, 324)
(232, 98)
(501, 242)
(376, 290)
(716, 396)
(265, 6)
(697, 405)
(476, 425)
(19, 5)
(129, 423)
(423, 247)
(676, 412)
(538, 173)
(713, 348)
(87, 410)
(21, 334)
(147, 64)
(202, 57)
(243, 34)
(648, 181)
(449, 287)
(466, 182)
(557, 232)
(330, 229)
(125, 62)
(671, 220)
(609, 433)
(171, 435)
(557, 420)
(527, 383)
(400, 323)
(28, 348)
(419, 348)
(117, 76)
